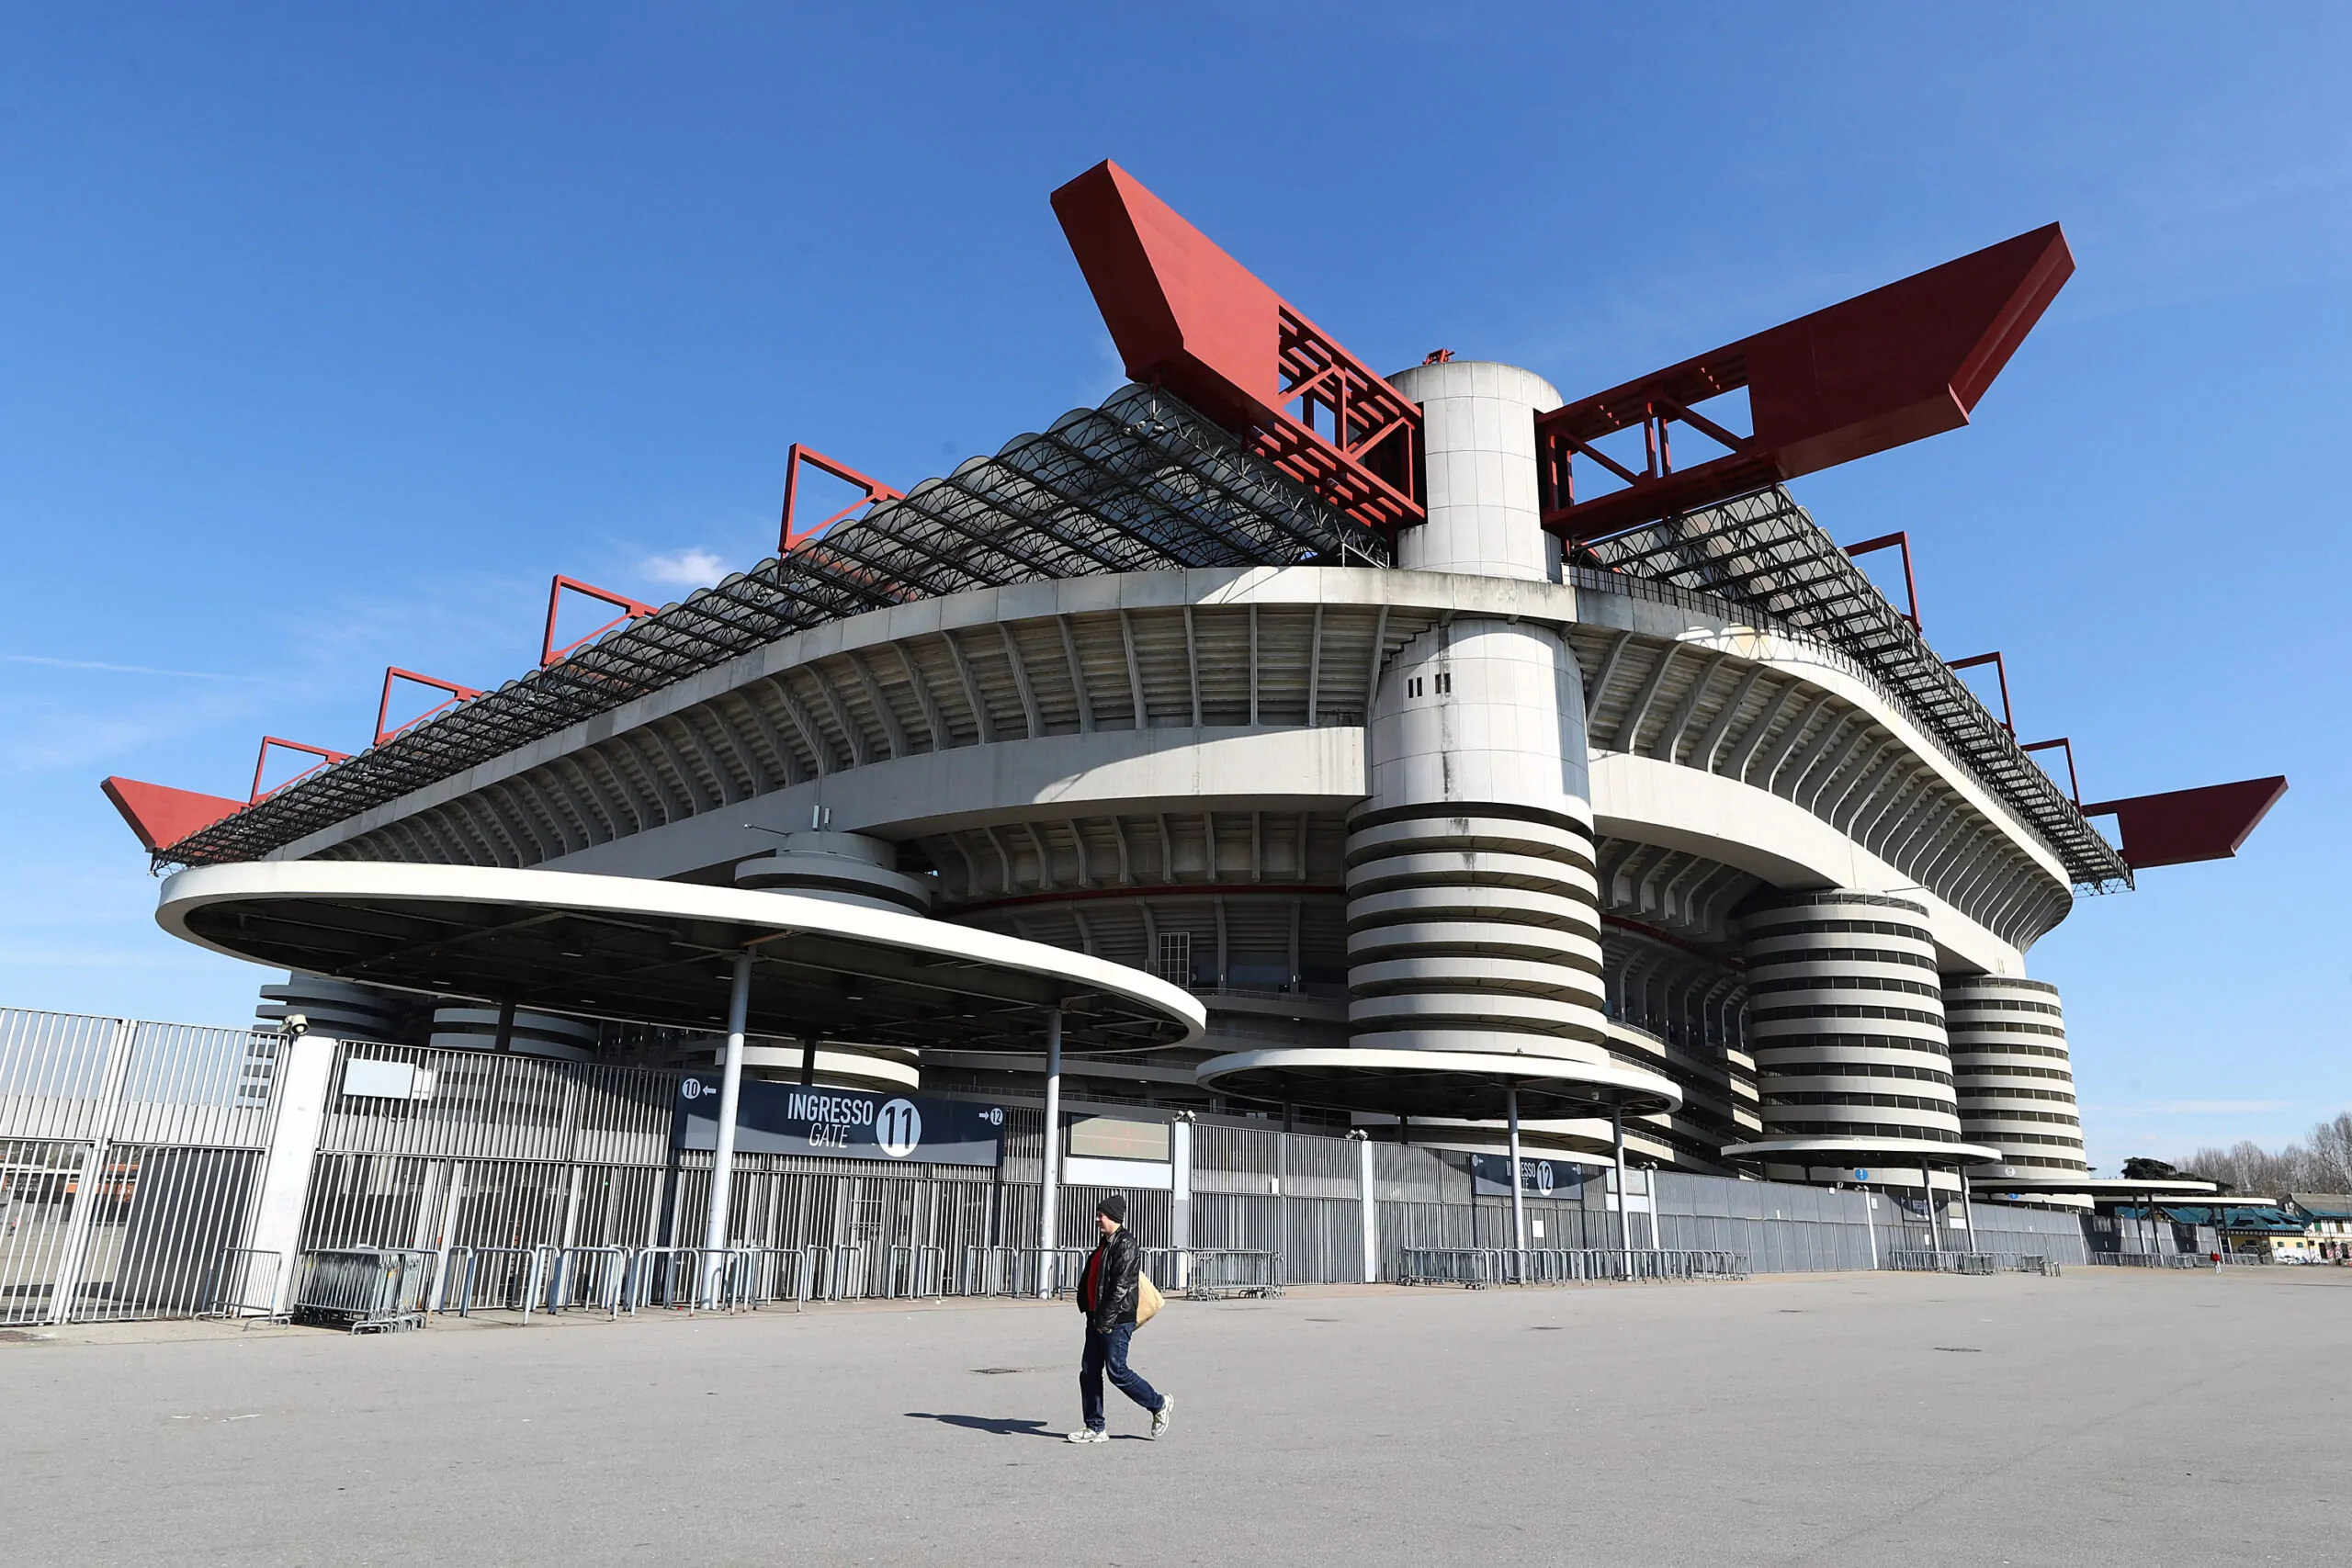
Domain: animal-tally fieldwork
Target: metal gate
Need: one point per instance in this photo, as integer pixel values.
(130, 1162)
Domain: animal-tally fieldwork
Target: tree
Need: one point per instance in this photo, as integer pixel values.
(2255, 1171)
(2329, 1153)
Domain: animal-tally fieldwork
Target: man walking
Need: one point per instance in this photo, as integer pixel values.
(1106, 1295)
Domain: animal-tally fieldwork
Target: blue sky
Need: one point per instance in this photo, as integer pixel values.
(328, 333)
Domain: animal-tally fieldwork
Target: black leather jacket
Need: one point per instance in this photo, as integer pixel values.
(1115, 1302)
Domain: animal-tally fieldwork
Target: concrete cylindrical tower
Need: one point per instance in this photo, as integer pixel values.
(1473, 917)
(849, 868)
(1473, 925)
(470, 1026)
(337, 1008)
(1478, 469)
(2017, 1087)
(1846, 1024)
(846, 868)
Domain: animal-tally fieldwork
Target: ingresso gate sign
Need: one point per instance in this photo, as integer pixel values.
(1490, 1177)
(846, 1123)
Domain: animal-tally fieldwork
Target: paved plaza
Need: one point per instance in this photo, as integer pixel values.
(2103, 1417)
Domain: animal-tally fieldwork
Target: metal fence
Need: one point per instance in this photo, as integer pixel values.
(133, 1155)
(129, 1154)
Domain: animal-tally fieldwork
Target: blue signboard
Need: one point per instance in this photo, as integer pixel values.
(845, 1123)
(1490, 1177)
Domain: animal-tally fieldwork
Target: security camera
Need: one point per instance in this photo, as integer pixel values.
(297, 1025)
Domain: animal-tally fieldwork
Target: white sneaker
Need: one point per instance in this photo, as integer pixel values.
(1088, 1434)
(1159, 1416)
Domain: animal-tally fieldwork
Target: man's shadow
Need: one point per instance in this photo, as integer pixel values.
(1001, 1425)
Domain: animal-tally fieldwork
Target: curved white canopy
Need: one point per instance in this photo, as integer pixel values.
(662, 952)
(1437, 1083)
(2102, 1187)
(1864, 1151)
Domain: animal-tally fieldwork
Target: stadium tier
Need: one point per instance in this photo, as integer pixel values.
(1457, 751)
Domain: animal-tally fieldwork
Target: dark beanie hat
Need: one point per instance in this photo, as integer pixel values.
(1113, 1208)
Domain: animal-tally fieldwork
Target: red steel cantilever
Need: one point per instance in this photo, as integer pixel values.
(1188, 317)
(630, 610)
(1895, 365)
(456, 694)
(2074, 782)
(2183, 826)
(1910, 582)
(786, 534)
(2001, 667)
(326, 758)
(162, 816)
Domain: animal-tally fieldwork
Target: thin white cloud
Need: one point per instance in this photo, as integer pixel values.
(123, 669)
(2192, 1108)
(693, 567)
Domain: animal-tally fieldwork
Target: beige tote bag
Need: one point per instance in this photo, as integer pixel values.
(1148, 1299)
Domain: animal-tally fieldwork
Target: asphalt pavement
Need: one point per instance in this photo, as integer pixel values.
(2103, 1417)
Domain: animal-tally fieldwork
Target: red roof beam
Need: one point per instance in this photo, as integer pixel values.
(261, 761)
(162, 816)
(1188, 317)
(787, 536)
(2001, 666)
(1910, 578)
(2073, 781)
(456, 694)
(630, 610)
(2183, 826)
(1894, 366)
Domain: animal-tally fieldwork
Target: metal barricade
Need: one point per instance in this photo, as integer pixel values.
(243, 1284)
(587, 1277)
(664, 1275)
(994, 1272)
(1063, 1269)
(1212, 1273)
(2150, 1261)
(365, 1289)
(1915, 1261)
(1918, 1262)
(923, 1270)
(1021, 1270)
(1465, 1266)
(755, 1275)
(832, 1273)
(1477, 1267)
(496, 1278)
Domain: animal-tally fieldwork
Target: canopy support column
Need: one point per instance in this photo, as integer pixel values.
(1625, 1199)
(1518, 1195)
(1050, 1167)
(722, 1161)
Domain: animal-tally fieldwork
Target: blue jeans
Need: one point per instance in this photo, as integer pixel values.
(1109, 1352)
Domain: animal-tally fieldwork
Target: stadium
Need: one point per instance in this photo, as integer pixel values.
(1355, 814)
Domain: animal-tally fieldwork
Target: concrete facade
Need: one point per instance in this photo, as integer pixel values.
(1478, 804)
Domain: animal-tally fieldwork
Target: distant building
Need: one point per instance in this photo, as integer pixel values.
(2327, 1222)
(2266, 1230)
